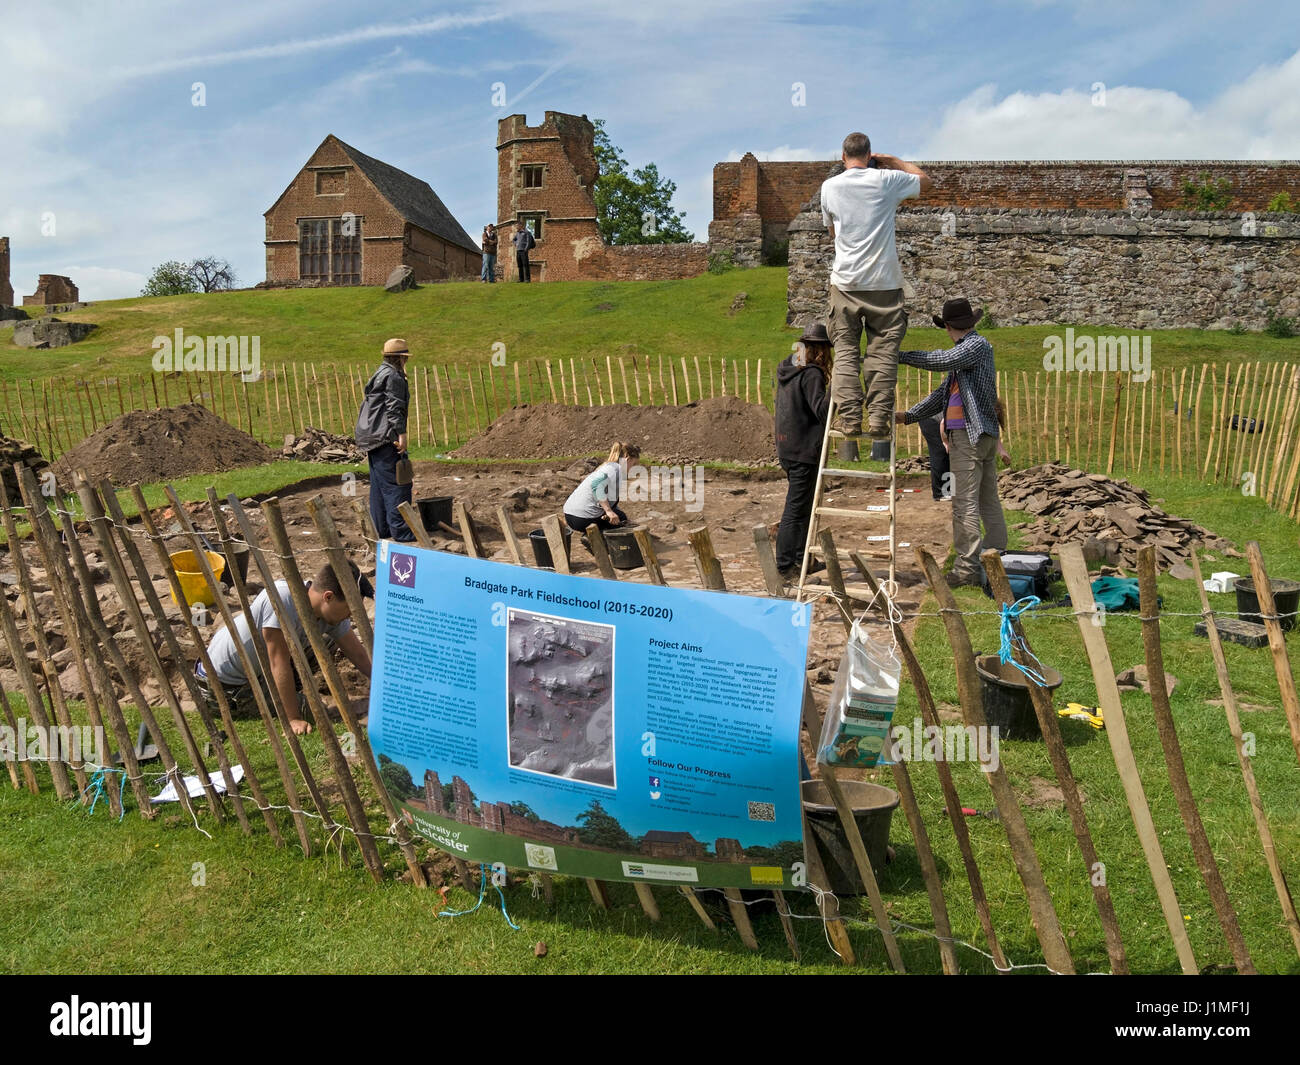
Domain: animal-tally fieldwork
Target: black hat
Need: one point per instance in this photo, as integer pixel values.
(815, 333)
(958, 314)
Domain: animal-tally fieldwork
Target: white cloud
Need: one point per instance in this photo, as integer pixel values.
(784, 152)
(1258, 118)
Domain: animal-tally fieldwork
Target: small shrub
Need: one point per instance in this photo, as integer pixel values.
(777, 253)
(1206, 194)
(1280, 327)
(1237, 329)
(986, 321)
(1282, 204)
(722, 261)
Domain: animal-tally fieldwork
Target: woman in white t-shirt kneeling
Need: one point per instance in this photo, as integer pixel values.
(595, 501)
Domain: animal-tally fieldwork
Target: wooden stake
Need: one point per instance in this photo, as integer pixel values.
(266, 695)
(352, 803)
(1243, 760)
(1114, 427)
(596, 540)
(686, 380)
(219, 692)
(513, 544)
(1042, 912)
(647, 548)
(79, 631)
(1276, 642)
(555, 541)
(1049, 726)
(1075, 572)
(1182, 788)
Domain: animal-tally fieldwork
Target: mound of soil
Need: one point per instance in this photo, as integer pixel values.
(725, 429)
(158, 445)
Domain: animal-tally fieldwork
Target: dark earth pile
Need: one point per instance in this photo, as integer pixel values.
(158, 445)
(1072, 505)
(725, 429)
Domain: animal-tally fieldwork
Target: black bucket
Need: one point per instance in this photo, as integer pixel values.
(434, 509)
(624, 551)
(880, 450)
(236, 556)
(1006, 697)
(542, 549)
(1286, 598)
(873, 808)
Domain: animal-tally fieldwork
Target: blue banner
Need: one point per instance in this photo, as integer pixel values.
(588, 727)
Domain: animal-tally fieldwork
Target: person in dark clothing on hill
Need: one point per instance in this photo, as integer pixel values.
(801, 405)
(381, 434)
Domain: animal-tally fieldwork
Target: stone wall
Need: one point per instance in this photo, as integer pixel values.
(52, 290)
(1162, 270)
(6, 289)
(641, 262)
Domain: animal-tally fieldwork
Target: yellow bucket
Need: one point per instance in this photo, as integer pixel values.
(193, 584)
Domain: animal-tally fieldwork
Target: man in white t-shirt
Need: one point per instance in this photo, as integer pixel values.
(866, 287)
(331, 618)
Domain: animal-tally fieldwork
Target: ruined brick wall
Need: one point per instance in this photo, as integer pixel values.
(52, 290)
(777, 190)
(641, 262)
(434, 259)
(1163, 270)
(6, 289)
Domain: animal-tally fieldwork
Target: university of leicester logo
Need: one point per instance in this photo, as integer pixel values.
(401, 569)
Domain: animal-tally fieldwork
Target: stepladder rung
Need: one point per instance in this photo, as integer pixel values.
(843, 512)
(861, 475)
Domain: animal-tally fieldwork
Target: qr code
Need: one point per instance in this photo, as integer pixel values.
(762, 811)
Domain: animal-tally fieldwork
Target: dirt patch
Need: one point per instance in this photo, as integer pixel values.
(1041, 793)
(158, 445)
(725, 429)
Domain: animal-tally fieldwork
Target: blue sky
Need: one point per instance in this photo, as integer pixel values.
(106, 167)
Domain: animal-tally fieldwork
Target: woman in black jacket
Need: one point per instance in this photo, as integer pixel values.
(381, 433)
(801, 405)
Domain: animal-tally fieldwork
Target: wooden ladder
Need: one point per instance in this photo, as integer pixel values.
(883, 481)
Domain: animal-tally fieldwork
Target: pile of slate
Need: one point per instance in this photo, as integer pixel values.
(13, 452)
(1113, 519)
(316, 445)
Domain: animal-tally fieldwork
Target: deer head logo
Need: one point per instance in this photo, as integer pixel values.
(401, 570)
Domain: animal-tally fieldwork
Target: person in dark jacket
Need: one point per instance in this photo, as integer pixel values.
(381, 433)
(523, 242)
(801, 405)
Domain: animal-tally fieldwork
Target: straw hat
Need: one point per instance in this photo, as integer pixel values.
(396, 346)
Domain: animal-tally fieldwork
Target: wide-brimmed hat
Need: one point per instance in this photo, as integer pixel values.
(815, 333)
(395, 346)
(958, 314)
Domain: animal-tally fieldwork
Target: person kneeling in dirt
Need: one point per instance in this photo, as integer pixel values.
(967, 397)
(331, 615)
(800, 423)
(595, 501)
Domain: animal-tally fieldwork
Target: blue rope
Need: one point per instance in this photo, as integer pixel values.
(1011, 641)
(482, 890)
(95, 789)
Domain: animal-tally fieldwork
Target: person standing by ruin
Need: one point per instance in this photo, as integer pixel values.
(523, 242)
(489, 242)
(866, 283)
(381, 434)
(968, 399)
(802, 401)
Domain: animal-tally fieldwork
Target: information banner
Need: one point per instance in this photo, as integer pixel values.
(593, 728)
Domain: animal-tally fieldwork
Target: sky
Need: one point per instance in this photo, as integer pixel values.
(108, 167)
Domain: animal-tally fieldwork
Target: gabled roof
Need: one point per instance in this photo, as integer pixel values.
(658, 835)
(412, 198)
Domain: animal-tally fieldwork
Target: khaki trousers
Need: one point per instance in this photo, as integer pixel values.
(974, 500)
(881, 314)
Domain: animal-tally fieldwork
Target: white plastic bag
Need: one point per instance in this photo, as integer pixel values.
(856, 728)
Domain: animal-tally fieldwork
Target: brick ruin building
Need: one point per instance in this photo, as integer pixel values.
(350, 219)
(6, 289)
(545, 176)
(1088, 241)
(52, 290)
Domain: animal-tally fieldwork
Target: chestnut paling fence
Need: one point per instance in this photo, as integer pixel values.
(1233, 424)
(280, 794)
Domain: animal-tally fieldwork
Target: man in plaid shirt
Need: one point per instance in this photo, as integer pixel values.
(967, 398)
